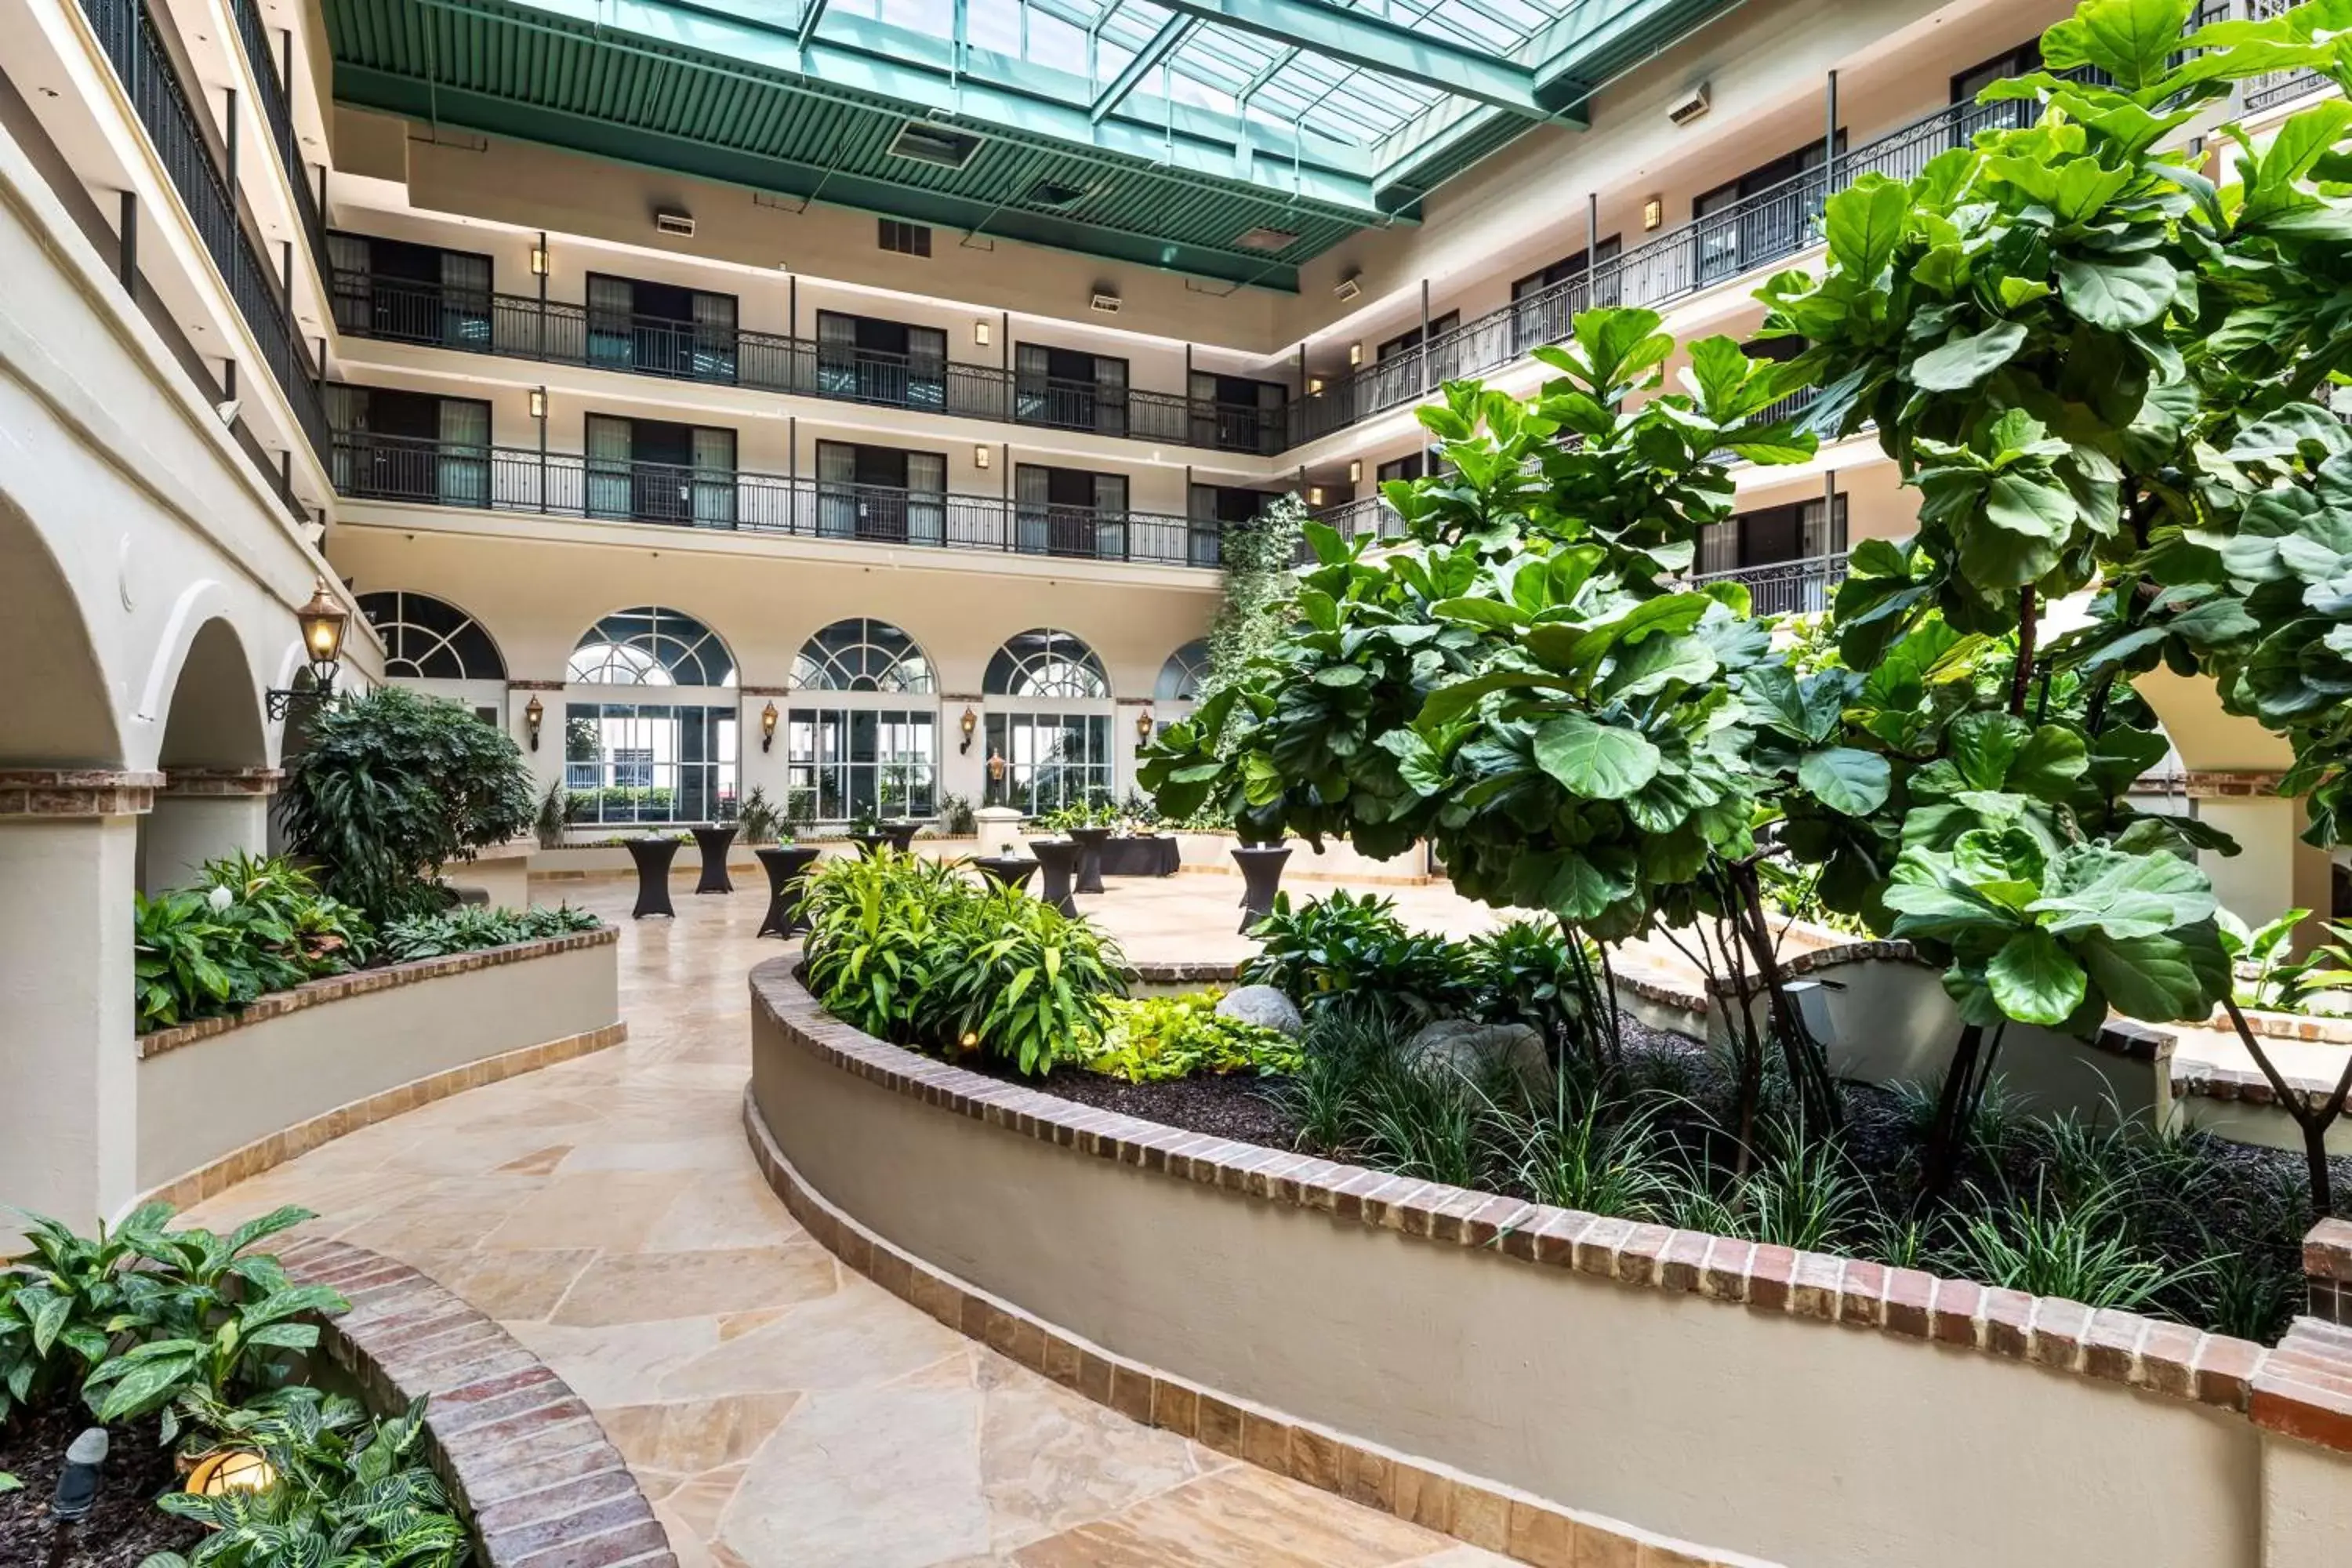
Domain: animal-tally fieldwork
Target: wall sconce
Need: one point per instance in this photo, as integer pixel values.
(980, 333)
(1315, 495)
(968, 724)
(322, 621)
(996, 767)
(1653, 211)
(539, 261)
(980, 456)
(1314, 385)
(1355, 353)
(767, 726)
(534, 713)
(538, 403)
(1143, 727)
(1356, 471)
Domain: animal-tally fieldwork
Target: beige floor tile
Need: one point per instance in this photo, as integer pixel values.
(643, 1287)
(518, 1285)
(615, 1210)
(691, 1436)
(858, 1338)
(1240, 1518)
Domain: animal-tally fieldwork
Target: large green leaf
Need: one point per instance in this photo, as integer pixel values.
(2159, 978)
(1865, 226)
(1846, 779)
(1596, 761)
(2034, 982)
(2092, 887)
(1964, 361)
(2116, 293)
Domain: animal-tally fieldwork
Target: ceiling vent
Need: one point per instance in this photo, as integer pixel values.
(1267, 239)
(1691, 106)
(1054, 197)
(1348, 288)
(1106, 303)
(679, 224)
(924, 143)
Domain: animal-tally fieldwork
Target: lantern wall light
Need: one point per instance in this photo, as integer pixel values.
(967, 725)
(534, 713)
(322, 621)
(767, 726)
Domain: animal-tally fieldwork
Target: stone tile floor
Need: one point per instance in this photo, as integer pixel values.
(779, 1410)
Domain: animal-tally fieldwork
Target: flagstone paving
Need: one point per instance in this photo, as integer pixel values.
(779, 1410)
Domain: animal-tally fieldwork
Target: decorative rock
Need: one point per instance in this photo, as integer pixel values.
(1475, 1049)
(1264, 1005)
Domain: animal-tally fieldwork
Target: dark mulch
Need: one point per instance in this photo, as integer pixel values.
(125, 1526)
(1236, 1106)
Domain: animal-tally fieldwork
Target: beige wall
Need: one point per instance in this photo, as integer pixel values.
(218, 1094)
(1774, 1435)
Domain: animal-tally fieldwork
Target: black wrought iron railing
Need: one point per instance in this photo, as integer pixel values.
(516, 326)
(1787, 587)
(415, 471)
(269, 76)
(2266, 92)
(143, 63)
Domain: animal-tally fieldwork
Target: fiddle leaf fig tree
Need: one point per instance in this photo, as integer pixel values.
(2096, 363)
(1520, 679)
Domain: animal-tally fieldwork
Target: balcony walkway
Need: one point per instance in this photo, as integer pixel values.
(779, 1410)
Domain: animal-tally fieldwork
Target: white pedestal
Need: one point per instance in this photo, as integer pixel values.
(1000, 830)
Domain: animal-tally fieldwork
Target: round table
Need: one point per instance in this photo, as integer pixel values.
(787, 866)
(1090, 842)
(714, 842)
(872, 844)
(901, 836)
(1057, 859)
(653, 857)
(1012, 872)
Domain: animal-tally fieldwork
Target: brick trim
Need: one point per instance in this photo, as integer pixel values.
(1478, 1512)
(190, 783)
(77, 791)
(359, 982)
(2160, 1358)
(2212, 784)
(521, 1454)
(290, 1143)
(534, 686)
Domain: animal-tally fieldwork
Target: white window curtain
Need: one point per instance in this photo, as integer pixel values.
(611, 481)
(465, 457)
(714, 478)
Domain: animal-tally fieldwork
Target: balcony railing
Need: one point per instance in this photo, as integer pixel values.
(140, 58)
(264, 63)
(2264, 92)
(516, 326)
(1752, 233)
(1787, 587)
(415, 471)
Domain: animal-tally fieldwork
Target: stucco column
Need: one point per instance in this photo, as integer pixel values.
(962, 772)
(204, 813)
(1124, 745)
(764, 769)
(69, 1058)
(546, 758)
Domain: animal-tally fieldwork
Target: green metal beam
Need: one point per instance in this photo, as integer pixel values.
(1158, 47)
(592, 134)
(1376, 44)
(813, 12)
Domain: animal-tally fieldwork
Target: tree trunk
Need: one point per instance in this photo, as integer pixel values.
(2313, 1124)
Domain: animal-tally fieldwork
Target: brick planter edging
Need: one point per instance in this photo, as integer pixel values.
(2103, 1343)
(522, 1455)
(359, 982)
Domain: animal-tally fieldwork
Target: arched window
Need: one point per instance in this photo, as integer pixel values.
(426, 638)
(1180, 676)
(862, 655)
(1045, 663)
(651, 647)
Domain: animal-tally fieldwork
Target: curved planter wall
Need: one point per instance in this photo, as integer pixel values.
(522, 1457)
(1392, 1339)
(226, 1099)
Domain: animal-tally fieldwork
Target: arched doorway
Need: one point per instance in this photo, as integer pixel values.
(650, 721)
(215, 758)
(862, 736)
(1049, 718)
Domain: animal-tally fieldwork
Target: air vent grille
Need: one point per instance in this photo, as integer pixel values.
(1054, 197)
(1270, 240)
(926, 142)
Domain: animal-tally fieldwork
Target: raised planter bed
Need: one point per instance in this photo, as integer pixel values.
(523, 1457)
(1560, 1386)
(224, 1099)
